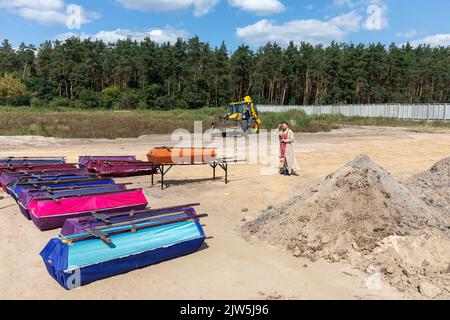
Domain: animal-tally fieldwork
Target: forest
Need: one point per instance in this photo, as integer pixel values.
(191, 74)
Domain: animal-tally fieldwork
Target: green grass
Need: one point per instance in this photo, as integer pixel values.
(70, 123)
(75, 123)
(298, 120)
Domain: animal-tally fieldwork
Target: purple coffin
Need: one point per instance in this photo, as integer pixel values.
(80, 225)
(120, 169)
(8, 177)
(86, 159)
(32, 160)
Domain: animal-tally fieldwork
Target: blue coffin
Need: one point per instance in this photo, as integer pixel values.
(86, 261)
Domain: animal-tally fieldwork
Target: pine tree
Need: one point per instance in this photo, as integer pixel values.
(191, 74)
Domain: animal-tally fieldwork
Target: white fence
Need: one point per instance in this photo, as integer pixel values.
(427, 112)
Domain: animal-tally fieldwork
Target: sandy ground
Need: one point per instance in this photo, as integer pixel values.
(227, 267)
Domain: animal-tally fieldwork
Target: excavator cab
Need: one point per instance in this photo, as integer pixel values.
(242, 119)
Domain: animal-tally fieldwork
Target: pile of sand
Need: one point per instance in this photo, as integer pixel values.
(348, 217)
(433, 186)
(412, 261)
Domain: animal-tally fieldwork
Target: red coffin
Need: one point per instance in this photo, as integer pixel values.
(120, 169)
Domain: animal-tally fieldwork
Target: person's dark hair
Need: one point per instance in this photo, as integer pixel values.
(286, 123)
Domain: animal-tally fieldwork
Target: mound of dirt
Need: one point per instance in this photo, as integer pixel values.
(433, 185)
(409, 262)
(348, 217)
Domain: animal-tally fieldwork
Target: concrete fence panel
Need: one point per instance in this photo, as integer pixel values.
(425, 112)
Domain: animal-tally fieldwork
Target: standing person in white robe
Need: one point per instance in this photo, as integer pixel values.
(287, 153)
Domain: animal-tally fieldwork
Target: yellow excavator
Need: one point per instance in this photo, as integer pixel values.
(242, 119)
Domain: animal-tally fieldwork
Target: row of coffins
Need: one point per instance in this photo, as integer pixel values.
(119, 167)
(107, 228)
(51, 197)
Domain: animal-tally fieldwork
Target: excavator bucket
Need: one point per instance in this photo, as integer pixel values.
(227, 128)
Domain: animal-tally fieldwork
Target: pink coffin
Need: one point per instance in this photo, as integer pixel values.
(50, 214)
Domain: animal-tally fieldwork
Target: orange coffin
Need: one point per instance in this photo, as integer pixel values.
(163, 155)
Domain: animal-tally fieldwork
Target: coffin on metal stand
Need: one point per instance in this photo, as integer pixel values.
(164, 168)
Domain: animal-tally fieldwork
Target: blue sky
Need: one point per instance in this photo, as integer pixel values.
(252, 22)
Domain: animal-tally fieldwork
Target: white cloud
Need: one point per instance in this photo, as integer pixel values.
(260, 7)
(347, 22)
(44, 17)
(352, 4)
(434, 41)
(343, 3)
(313, 31)
(167, 34)
(407, 34)
(201, 7)
(375, 11)
(47, 12)
(36, 4)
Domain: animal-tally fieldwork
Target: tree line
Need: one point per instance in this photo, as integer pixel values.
(192, 74)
